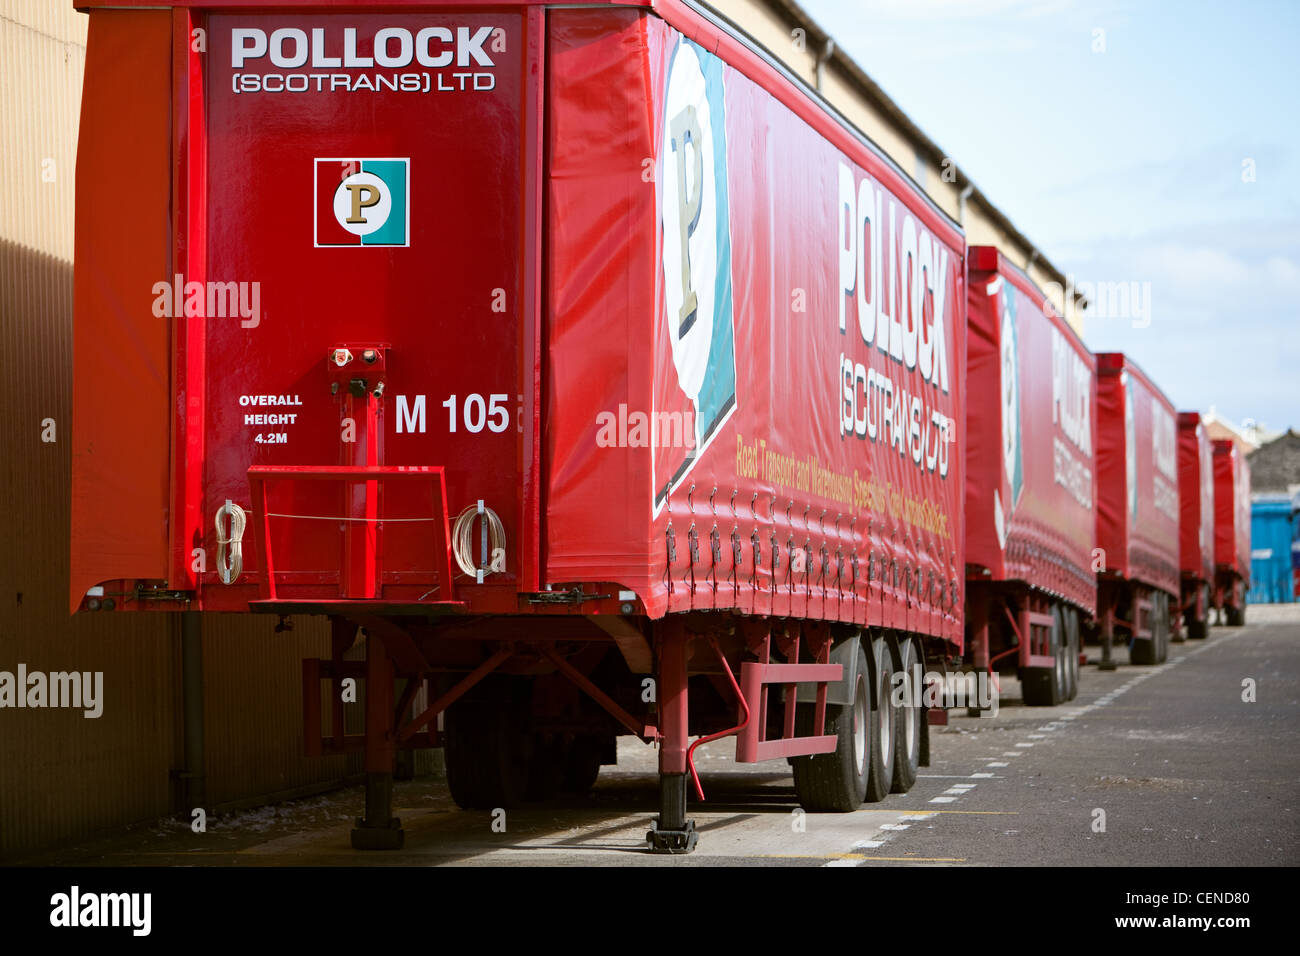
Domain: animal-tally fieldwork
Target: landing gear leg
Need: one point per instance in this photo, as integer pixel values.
(378, 829)
(672, 832)
(1107, 633)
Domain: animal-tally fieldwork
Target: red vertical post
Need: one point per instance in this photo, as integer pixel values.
(672, 832)
(371, 558)
(977, 610)
(379, 706)
(673, 702)
(378, 829)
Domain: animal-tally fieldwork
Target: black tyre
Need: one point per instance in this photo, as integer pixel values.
(1146, 650)
(1142, 651)
(1166, 627)
(487, 746)
(837, 782)
(1235, 616)
(1071, 653)
(546, 765)
(1198, 628)
(582, 764)
(881, 743)
(907, 718)
(1044, 686)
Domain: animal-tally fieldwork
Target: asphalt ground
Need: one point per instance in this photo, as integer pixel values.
(1149, 766)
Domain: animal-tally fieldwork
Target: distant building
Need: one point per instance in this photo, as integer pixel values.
(1275, 466)
(1243, 436)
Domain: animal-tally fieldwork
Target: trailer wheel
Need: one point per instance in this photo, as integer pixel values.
(1162, 627)
(1198, 627)
(907, 741)
(1071, 653)
(546, 766)
(1235, 616)
(881, 778)
(486, 746)
(1146, 650)
(582, 764)
(1044, 686)
(837, 782)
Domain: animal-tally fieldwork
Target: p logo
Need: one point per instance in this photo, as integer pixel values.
(694, 213)
(362, 202)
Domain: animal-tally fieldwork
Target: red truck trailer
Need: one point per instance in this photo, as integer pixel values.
(1195, 525)
(1030, 485)
(1137, 510)
(581, 357)
(1231, 532)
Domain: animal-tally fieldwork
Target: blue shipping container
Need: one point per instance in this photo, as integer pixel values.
(1273, 537)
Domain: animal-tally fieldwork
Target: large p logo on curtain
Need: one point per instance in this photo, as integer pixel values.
(696, 254)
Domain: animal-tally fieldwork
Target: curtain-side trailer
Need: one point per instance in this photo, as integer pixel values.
(580, 357)
(1030, 482)
(1195, 525)
(1137, 510)
(1231, 532)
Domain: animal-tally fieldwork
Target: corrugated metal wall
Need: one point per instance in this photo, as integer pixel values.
(253, 706)
(63, 775)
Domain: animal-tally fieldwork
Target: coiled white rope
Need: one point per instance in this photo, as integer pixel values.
(230, 548)
(463, 543)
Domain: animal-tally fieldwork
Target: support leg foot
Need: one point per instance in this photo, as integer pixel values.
(672, 832)
(378, 829)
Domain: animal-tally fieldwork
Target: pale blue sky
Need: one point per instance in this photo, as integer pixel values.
(1126, 165)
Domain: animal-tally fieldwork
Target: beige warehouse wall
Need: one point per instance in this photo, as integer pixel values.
(64, 775)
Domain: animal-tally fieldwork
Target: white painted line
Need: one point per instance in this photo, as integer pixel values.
(997, 763)
(1014, 753)
(869, 844)
(896, 826)
(943, 799)
(842, 863)
(1037, 736)
(1023, 744)
(954, 793)
(982, 774)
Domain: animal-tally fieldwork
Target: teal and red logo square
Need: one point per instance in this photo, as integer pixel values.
(363, 202)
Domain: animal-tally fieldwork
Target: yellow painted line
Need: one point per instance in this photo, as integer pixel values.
(862, 856)
(175, 852)
(917, 859)
(1011, 813)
